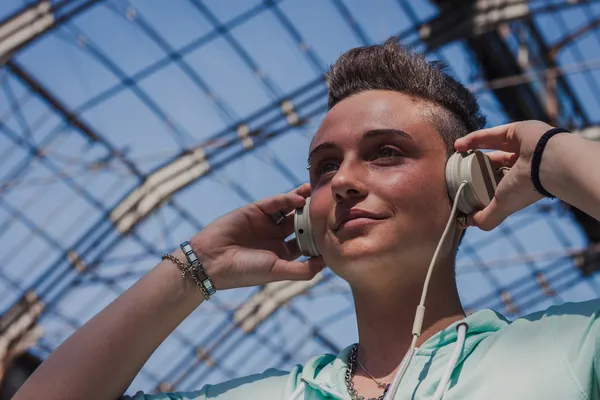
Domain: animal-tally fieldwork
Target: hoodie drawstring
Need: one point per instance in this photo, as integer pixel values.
(299, 391)
(444, 384)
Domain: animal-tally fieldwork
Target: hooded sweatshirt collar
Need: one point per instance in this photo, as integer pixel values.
(326, 373)
(480, 323)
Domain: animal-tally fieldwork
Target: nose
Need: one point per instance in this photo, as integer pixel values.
(348, 182)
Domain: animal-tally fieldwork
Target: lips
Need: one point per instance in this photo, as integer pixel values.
(349, 215)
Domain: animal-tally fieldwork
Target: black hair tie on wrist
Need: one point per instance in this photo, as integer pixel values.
(536, 159)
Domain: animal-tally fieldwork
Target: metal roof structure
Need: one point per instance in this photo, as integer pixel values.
(127, 126)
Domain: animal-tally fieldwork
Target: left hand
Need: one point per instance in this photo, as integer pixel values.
(514, 144)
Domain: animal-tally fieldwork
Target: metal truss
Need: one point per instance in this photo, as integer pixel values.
(512, 66)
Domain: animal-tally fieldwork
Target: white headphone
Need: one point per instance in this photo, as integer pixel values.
(473, 167)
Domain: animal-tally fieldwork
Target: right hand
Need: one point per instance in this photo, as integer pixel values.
(514, 144)
(246, 248)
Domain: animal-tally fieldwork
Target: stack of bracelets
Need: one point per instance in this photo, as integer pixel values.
(194, 270)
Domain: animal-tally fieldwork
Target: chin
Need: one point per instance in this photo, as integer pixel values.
(376, 248)
(363, 262)
(360, 248)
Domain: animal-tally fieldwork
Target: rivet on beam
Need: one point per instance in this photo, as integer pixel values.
(544, 284)
(424, 31)
(131, 13)
(75, 261)
(31, 296)
(165, 387)
(288, 110)
(508, 303)
(205, 357)
(82, 41)
(244, 135)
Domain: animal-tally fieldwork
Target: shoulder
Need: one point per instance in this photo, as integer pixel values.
(573, 315)
(272, 384)
(571, 332)
(568, 334)
(561, 341)
(568, 322)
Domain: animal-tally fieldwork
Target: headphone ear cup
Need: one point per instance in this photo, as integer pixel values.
(303, 230)
(475, 168)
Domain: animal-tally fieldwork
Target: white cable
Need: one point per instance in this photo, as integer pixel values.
(460, 342)
(420, 313)
(299, 391)
(403, 367)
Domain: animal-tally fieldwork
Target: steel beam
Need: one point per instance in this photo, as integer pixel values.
(32, 22)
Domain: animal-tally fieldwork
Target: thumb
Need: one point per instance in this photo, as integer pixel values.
(297, 270)
(488, 218)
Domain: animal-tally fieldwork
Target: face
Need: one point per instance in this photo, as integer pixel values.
(379, 199)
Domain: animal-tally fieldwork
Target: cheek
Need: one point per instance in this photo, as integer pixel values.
(421, 193)
(319, 211)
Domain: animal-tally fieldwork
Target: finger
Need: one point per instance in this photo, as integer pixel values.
(496, 138)
(298, 270)
(488, 218)
(292, 249)
(286, 227)
(501, 159)
(303, 190)
(288, 250)
(284, 202)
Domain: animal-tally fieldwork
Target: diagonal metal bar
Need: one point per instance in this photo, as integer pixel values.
(347, 16)
(225, 111)
(166, 61)
(18, 112)
(272, 88)
(90, 247)
(70, 117)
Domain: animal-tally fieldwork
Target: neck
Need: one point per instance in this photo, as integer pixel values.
(385, 318)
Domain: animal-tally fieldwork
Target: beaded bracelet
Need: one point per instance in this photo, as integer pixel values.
(197, 268)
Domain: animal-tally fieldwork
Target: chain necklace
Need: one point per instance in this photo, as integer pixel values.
(351, 369)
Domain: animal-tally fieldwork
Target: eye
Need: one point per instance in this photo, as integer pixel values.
(325, 167)
(388, 152)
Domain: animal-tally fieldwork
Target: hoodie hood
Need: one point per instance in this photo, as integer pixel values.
(481, 325)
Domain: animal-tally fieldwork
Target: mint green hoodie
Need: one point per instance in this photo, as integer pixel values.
(553, 354)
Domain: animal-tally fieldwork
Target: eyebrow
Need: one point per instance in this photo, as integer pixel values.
(371, 133)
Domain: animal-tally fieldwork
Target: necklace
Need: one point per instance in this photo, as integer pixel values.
(379, 384)
(351, 369)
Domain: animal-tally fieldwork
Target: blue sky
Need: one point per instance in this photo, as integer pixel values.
(177, 103)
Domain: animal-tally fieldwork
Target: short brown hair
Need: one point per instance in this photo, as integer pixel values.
(391, 66)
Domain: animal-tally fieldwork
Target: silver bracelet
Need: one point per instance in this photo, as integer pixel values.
(198, 269)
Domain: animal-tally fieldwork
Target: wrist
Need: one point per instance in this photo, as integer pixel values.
(191, 270)
(554, 166)
(211, 257)
(185, 285)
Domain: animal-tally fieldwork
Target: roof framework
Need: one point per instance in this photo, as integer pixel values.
(92, 195)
